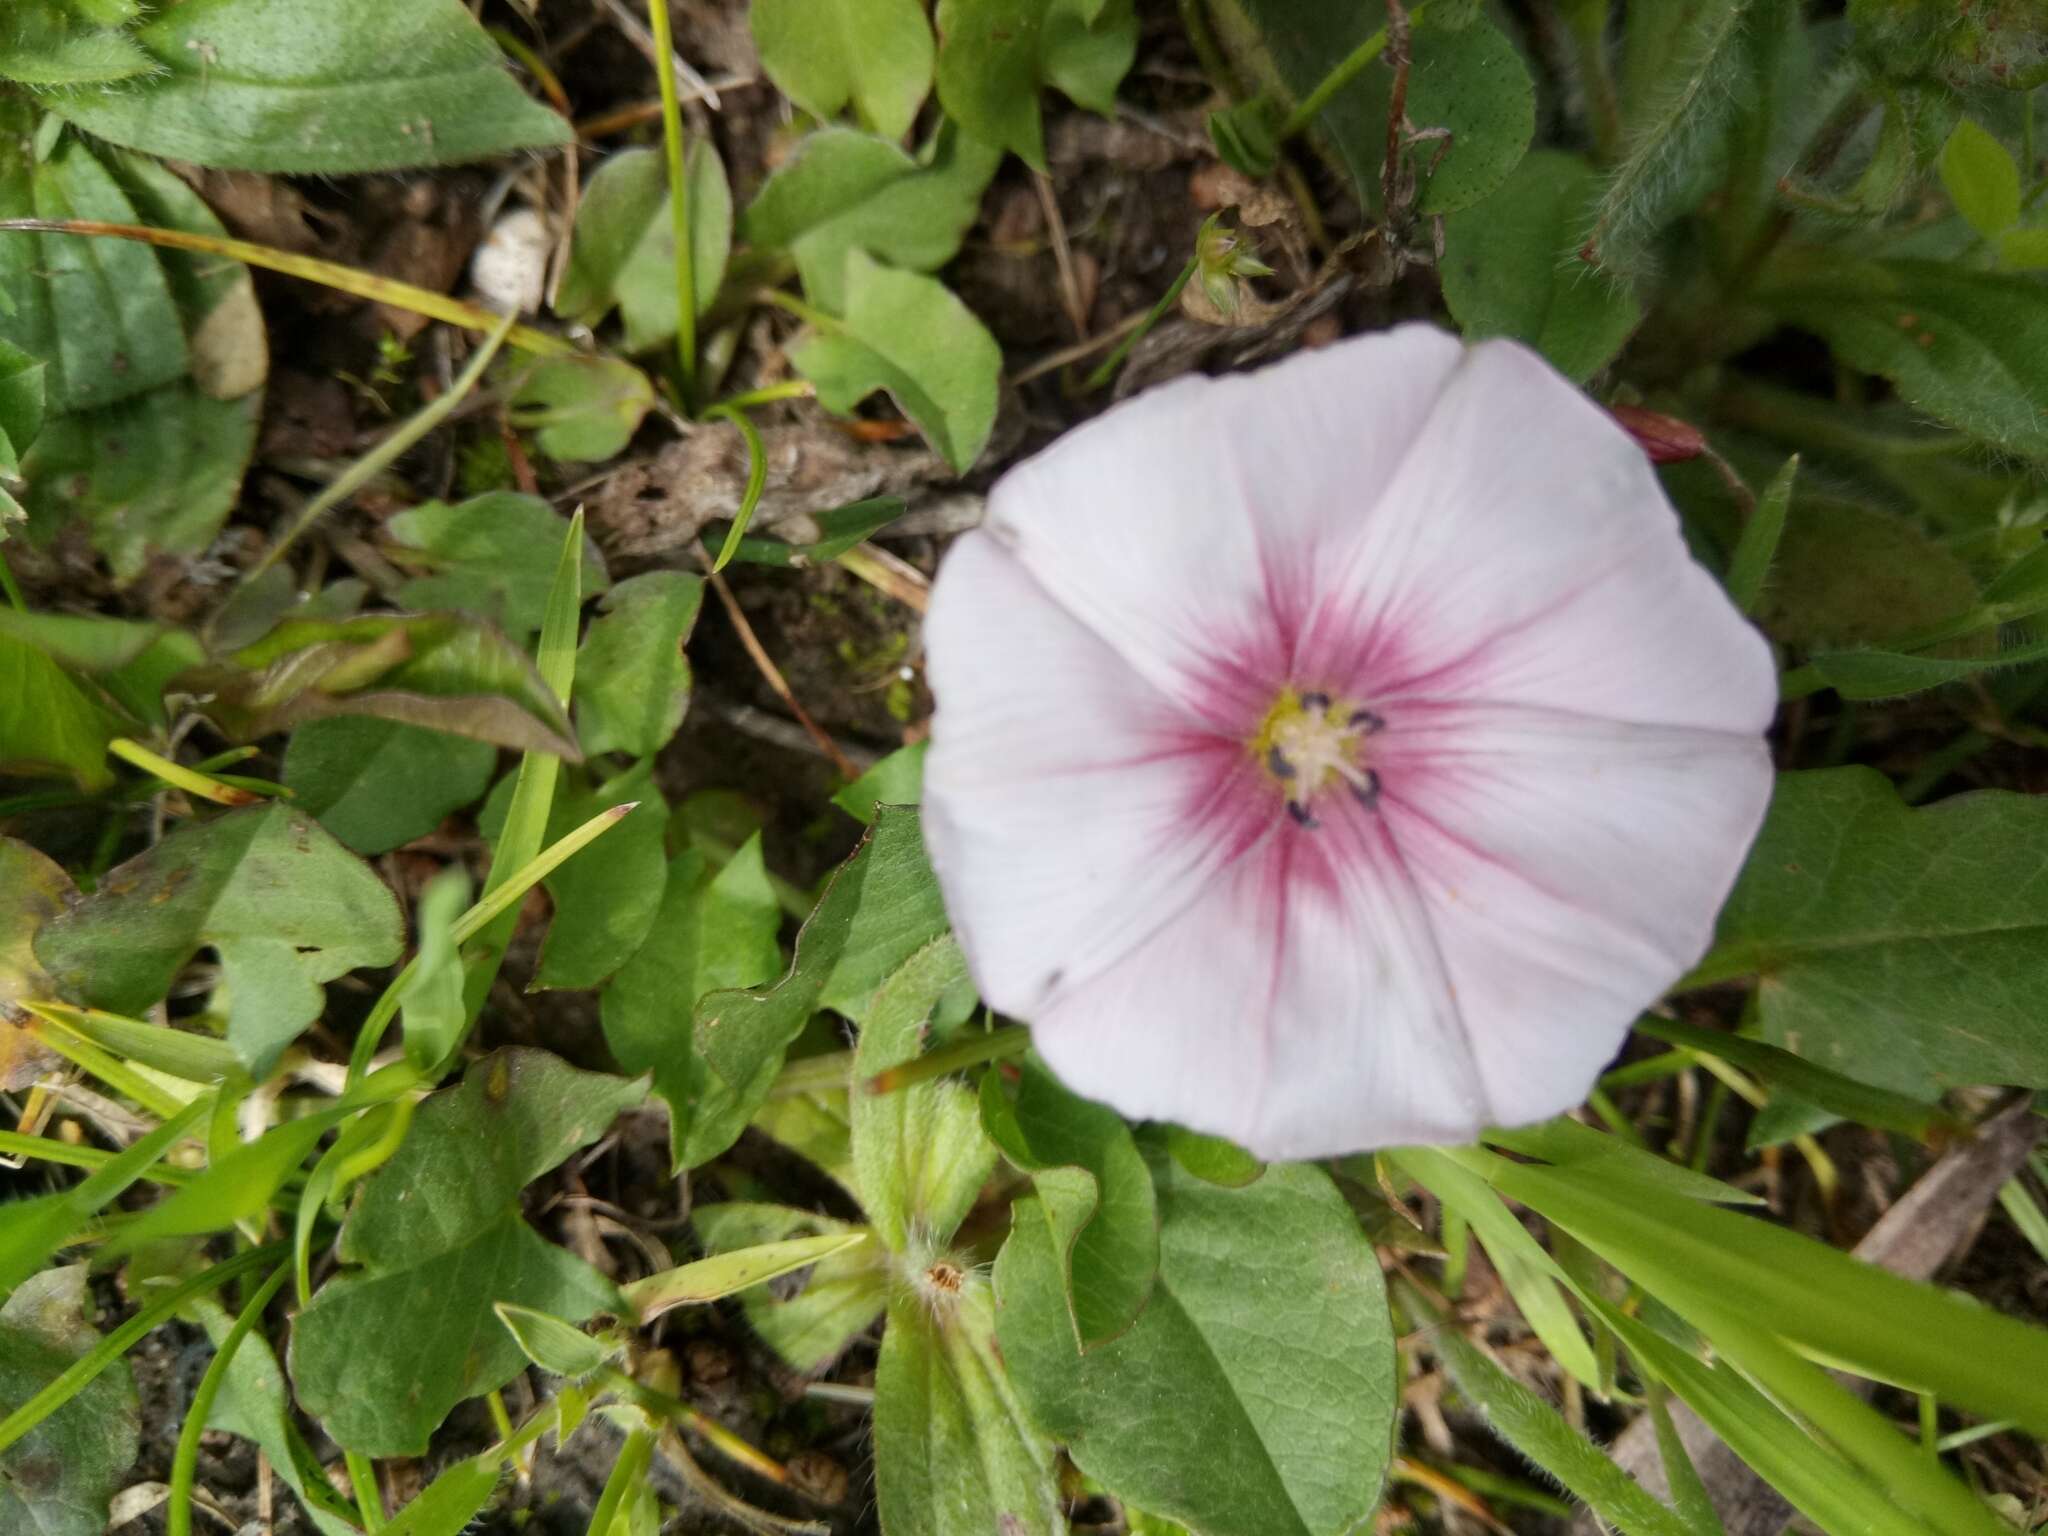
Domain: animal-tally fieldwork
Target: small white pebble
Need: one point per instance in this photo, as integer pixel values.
(510, 267)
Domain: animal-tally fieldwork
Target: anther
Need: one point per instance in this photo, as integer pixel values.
(1366, 722)
(1366, 788)
(1301, 815)
(1277, 761)
(1315, 701)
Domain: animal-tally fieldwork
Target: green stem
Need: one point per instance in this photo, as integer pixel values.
(384, 455)
(804, 312)
(757, 481)
(362, 1476)
(8, 584)
(112, 1346)
(678, 201)
(1345, 72)
(626, 1473)
(1010, 1040)
(48, 1149)
(185, 1463)
(767, 394)
(1106, 370)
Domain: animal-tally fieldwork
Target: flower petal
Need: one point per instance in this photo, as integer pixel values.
(1571, 870)
(1184, 526)
(1299, 1008)
(1070, 808)
(1525, 552)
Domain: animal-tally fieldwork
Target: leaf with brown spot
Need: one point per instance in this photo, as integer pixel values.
(33, 889)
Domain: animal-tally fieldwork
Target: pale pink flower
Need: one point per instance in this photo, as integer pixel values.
(1341, 755)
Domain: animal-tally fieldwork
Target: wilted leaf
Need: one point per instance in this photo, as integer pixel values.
(846, 191)
(905, 333)
(1905, 948)
(33, 889)
(57, 1479)
(493, 556)
(823, 54)
(1257, 1393)
(377, 784)
(632, 678)
(1511, 268)
(284, 906)
(624, 250)
(715, 929)
(996, 55)
(297, 87)
(442, 670)
(384, 1351)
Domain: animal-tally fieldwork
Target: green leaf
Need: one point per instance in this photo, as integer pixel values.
(384, 1351)
(493, 555)
(845, 191)
(995, 55)
(838, 1300)
(728, 1274)
(446, 671)
(623, 252)
(823, 54)
(838, 531)
(1540, 1432)
(283, 906)
(897, 779)
(1750, 566)
(377, 784)
(21, 406)
(148, 432)
(1212, 1159)
(431, 1004)
(633, 680)
(1677, 140)
(1468, 79)
(1846, 574)
(919, 1153)
(1898, 947)
(58, 1479)
(604, 903)
(552, 1343)
(1257, 1394)
(954, 1449)
(1893, 674)
(293, 86)
(881, 908)
(715, 929)
(253, 1403)
(1568, 1144)
(905, 333)
(1510, 268)
(1970, 348)
(48, 44)
(156, 473)
(380, 1356)
(1093, 1189)
(1982, 178)
(49, 723)
(1531, 1276)
(581, 409)
(235, 1187)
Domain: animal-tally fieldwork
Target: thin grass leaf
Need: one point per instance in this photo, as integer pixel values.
(1688, 1494)
(1751, 565)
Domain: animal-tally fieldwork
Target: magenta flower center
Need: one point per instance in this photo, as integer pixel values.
(1312, 744)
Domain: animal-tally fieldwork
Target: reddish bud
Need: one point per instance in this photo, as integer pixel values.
(1666, 439)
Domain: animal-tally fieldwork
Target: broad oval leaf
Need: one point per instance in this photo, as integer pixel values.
(305, 88)
(996, 55)
(378, 784)
(623, 252)
(284, 907)
(823, 54)
(1256, 1396)
(58, 1478)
